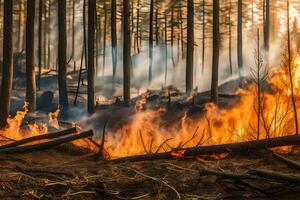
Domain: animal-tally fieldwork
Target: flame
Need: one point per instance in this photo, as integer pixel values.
(237, 123)
(53, 118)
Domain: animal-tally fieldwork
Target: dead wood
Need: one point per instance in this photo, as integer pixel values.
(47, 145)
(39, 137)
(275, 176)
(291, 163)
(219, 149)
(224, 174)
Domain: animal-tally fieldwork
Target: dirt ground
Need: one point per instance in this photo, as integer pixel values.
(62, 173)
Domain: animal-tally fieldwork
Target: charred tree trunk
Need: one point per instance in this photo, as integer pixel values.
(240, 36)
(73, 30)
(137, 25)
(150, 40)
(190, 47)
(20, 33)
(156, 28)
(267, 25)
(216, 46)
(91, 56)
(7, 69)
(40, 42)
(104, 39)
(230, 40)
(114, 37)
(30, 70)
(203, 35)
(62, 55)
(290, 69)
(166, 48)
(126, 52)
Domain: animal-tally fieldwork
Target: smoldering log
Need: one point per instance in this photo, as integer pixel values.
(275, 176)
(219, 149)
(39, 137)
(47, 145)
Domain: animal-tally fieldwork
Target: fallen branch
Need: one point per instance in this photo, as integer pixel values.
(47, 145)
(275, 176)
(219, 149)
(287, 161)
(230, 175)
(39, 137)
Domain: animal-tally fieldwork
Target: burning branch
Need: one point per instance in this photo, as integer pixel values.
(219, 149)
(47, 145)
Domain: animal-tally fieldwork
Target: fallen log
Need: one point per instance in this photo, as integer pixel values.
(291, 163)
(47, 145)
(39, 137)
(218, 149)
(275, 176)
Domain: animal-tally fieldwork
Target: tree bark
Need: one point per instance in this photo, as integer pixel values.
(190, 47)
(91, 56)
(114, 37)
(62, 54)
(7, 79)
(203, 35)
(30, 68)
(267, 26)
(150, 40)
(126, 52)
(240, 37)
(40, 42)
(216, 46)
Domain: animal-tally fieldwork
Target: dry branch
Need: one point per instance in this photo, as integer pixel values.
(39, 137)
(47, 145)
(219, 149)
(287, 161)
(275, 176)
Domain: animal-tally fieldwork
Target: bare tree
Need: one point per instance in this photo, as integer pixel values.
(216, 47)
(62, 54)
(7, 79)
(114, 36)
(30, 70)
(240, 37)
(190, 47)
(126, 52)
(91, 56)
(150, 40)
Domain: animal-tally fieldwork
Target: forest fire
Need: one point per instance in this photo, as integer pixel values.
(241, 122)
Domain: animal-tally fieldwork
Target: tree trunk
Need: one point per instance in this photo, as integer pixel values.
(230, 40)
(114, 37)
(104, 39)
(7, 69)
(62, 53)
(240, 36)
(203, 35)
(137, 25)
(40, 42)
(150, 41)
(126, 52)
(20, 33)
(91, 56)
(190, 47)
(216, 46)
(30, 69)
(267, 30)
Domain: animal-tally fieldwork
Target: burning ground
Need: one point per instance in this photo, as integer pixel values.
(162, 124)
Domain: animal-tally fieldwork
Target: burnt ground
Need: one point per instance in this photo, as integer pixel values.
(61, 174)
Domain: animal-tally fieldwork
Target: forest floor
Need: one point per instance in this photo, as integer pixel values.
(69, 173)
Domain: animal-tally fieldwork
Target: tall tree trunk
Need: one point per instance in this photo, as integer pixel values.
(267, 30)
(290, 70)
(40, 42)
(114, 37)
(62, 55)
(216, 46)
(126, 52)
(20, 31)
(166, 48)
(190, 47)
(156, 28)
(7, 69)
(137, 25)
(91, 56)
(73, 30)
(230, 39)
(240, 36)
(30, 69)
(150, 41)
(104, 39)
(203, 35)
